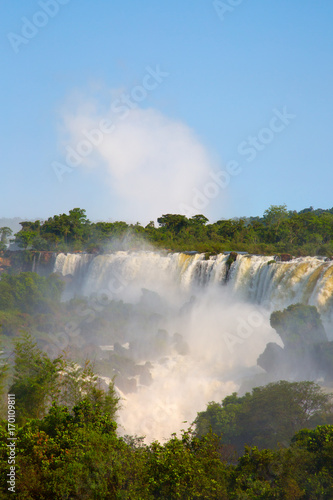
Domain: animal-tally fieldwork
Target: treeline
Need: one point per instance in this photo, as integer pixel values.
(67, 446)
(308, 232)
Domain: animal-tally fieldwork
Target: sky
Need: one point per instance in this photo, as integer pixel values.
(132, 109)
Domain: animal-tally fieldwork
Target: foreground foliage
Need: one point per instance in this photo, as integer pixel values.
(77, 454)
(67, 444)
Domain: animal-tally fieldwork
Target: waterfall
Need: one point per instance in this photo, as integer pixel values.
(70, 263)
(217, 308)
(34, 263)
(252, 278)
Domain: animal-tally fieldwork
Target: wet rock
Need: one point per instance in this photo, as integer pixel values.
(306, 355)
(285, 257)
(126, 385)
(272, 358)
(180, 345)
(298, 324)
(146, 379)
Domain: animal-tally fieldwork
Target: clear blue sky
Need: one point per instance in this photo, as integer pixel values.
(227, 73)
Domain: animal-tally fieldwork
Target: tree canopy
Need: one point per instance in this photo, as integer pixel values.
(308, 232)
(268, 416)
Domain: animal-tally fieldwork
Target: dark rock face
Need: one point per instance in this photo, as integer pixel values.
(44, 262)
(145, 377)
(4, 263)
(306, 355)
(324, 353)
(231, 259)
(298, 324)
(126, 385)
(272, 358)
(181, 346)
(27, 261)
(285, 257)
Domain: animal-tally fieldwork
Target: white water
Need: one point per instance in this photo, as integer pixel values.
(122, 274)
(224, 322)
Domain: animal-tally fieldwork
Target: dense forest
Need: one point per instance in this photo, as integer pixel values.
(64, 443)
(308, 232)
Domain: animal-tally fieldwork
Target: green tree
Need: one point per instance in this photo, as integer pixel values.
(199, 219)
(30, 293)
(173, 222)
(78, 383)
(187, 468)
(38, 381)
(35, 382)
(267, 417)
(24, 239)
(5, 232)
(275, 214)
(73, 454)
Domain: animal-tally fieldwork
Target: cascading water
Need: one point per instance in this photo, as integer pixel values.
(220, 310)
(71, 263)
(35, 262)
(252, 278)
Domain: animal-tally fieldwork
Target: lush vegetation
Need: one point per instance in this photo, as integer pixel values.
(67, 444)
(298, 324)
(308, 232)
(275, 442)
(30, 303)
(5, 232)
(268, 416)
(29, 293)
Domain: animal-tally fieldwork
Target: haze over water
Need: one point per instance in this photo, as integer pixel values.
(221, 315)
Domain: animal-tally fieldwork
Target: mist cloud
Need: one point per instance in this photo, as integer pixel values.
(153, 164)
